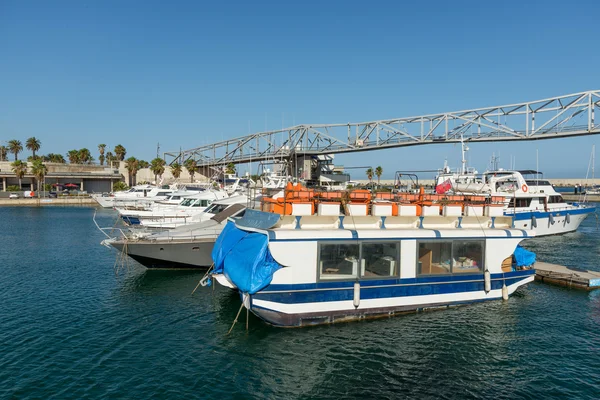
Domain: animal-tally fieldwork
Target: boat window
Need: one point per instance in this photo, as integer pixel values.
(216, 208)
(458, 257)
(434, 258)
(555, 199)
(380, 260)
(175, 197)
(467, 256)
(338, 261)
(162, 193)
(520, 202)
(187, 202)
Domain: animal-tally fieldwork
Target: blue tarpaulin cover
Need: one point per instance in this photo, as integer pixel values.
(244, 258)
(524, 258)
(229, 237)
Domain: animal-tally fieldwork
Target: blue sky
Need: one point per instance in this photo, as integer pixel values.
(186, 73)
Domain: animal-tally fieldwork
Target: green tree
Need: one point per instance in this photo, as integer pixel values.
(20, 169)
(73, 156)
(85, 157)
(120, 152)
(191, 167)
(3, 153)
(15, 147)
(33, 144)
(157, 166)
(378, 172)
(101, 158)
(132, 165)
(110, 158)
(369, 173)
(56, 158)
(176, 170)
(39, 170)
(230, 169)
(143, 164)
(120, 186)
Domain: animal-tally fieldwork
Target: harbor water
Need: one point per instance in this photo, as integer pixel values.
(70, 328)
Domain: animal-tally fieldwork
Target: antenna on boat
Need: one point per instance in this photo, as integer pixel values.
(464, 149)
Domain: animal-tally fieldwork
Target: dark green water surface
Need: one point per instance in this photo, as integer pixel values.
(71, 329)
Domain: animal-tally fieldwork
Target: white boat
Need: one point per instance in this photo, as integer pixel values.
(531, 200)
(185, 247)
(169, 216)
(320, 267)
(135, 194)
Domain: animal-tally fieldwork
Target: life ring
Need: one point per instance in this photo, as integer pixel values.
(524, 188)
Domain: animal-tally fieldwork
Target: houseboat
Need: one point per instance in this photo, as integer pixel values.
(313, 258)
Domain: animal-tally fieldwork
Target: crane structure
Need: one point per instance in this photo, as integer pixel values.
(563, 116)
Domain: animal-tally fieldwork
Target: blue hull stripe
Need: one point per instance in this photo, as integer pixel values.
(525, 215)
(388, 289)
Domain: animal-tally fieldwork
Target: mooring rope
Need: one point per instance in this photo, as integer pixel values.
(236, 318)
(202, 281)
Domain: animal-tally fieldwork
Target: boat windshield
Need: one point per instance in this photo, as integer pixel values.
(187, 202)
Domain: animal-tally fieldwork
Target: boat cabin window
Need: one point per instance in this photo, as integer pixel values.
(519, 202)
(369, 260)
(216, 208)
(202, 203)
(379, 260)
(555, 199)
(187, 202)
(162, 194)
(339, 261)
(456, 257)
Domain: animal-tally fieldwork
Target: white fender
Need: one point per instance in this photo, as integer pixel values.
(487, 281)
(504, 291)
(356, 294)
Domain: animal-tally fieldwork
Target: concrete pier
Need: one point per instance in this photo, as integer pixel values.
(568, 277)
(35, 202)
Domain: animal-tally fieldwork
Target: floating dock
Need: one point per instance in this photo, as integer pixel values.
(568, 277)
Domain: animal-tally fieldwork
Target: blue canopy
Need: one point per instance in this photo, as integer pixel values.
(524, 258)
(244, 258)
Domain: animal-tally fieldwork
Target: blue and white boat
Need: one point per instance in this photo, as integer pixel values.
(298, 270)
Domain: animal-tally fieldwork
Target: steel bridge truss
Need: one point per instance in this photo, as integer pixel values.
(564, 116)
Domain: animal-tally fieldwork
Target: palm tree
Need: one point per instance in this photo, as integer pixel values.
(176, 170)
(157, 166)
(39, 170)
(33, 144)
(73, 156)
(15, 147)
(120, 152)
(20, 169)
(110, 158)
(3, 153)
(101, 148)
(370, 174)
(55, 158)
(85, 157)
(378, 172)
(191, 166)
(132, 165)
(143, 164)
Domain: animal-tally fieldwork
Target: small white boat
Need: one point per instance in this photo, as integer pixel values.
(168, 216)
(314, 267)
(135, 194)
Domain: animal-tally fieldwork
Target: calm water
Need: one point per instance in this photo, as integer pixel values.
(71, 329)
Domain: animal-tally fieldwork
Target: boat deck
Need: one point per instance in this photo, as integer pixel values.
(569, 277)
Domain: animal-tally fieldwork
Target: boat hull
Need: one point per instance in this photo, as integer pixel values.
(552, 223)
(170, 255)
(325, 305)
